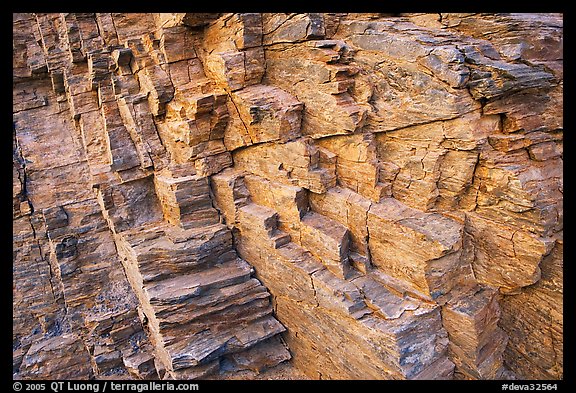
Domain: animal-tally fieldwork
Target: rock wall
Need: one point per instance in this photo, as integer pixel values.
(359, 196)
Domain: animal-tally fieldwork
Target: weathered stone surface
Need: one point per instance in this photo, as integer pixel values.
(56, 358)
(420, 248)
(238, 31)
(194, 19)
(490, 78)
(268, 113)
(28, 57)
(307, 316)
(267, 195)
(295, 163)
(386, 54)
(235, 57)
(357, 165)
(317, 75)
(260, 357)
(529, 111)
(86, 281)
(291, 203)
(347, 208)
(132, 25)
(188, 279)
(517, 191)
(33, 290)
(185, 200)
(96, 291)
(504, 256)
(328, 241)
(431, 167)
(179, 250)
(254, 218)
(283, 28)
(177, 43)
(476, 341)
(130, 204)
(230, 194)
(523, 312)
(156, 83)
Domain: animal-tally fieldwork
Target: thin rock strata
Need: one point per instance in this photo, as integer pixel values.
(300, 196)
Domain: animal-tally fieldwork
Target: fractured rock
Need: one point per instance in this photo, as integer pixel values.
(267, 195)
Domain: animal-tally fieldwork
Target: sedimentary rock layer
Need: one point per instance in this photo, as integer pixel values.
(333, 195)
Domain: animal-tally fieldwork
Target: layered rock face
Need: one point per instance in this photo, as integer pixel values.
(350, 196)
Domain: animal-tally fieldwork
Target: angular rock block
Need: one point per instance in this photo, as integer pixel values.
(411, 332)
(96, 142)
(322, 85)
(328, 241)
(95, 288)
(347, 208)
(185, 200)
(290, 202)
(420, 248)
(83, 102)
(201, 350)
(198, 116)
(28, 55)
(122, 151)
(357, 165)
(230, 193)
(533, 111)
(235, 31)
(132, 25)
(476, 341)
(254, 218)
(192, 19)
(281, 28)
(268, 113)
(99, 65)
(492, 78)
(431, 167)
(130, 204)
(395, 100)
(534, 322)
(233, 70)
(385, 302)
(154, 81)
(177, 43)
(106, 26)
(260, 357)
(142, 50)
(140, 124)
(31, 271)
(176, 290)
(68, 349)
(505, 256)
(193, 129)
(210, 165)
(456, 174)
(517, 191)
(318, 308)
(294, 163)
(335, 294)
(160, 251)
(185, 284)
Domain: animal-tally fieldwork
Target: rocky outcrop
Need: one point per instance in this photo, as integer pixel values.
(347, 196)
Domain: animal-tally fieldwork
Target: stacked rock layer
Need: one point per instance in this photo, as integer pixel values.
(359, 196)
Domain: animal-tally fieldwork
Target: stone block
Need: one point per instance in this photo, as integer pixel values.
(328, 241)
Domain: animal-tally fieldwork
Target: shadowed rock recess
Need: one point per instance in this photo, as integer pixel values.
(287, 196)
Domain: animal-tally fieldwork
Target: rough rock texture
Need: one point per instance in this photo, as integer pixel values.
(322, 196)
